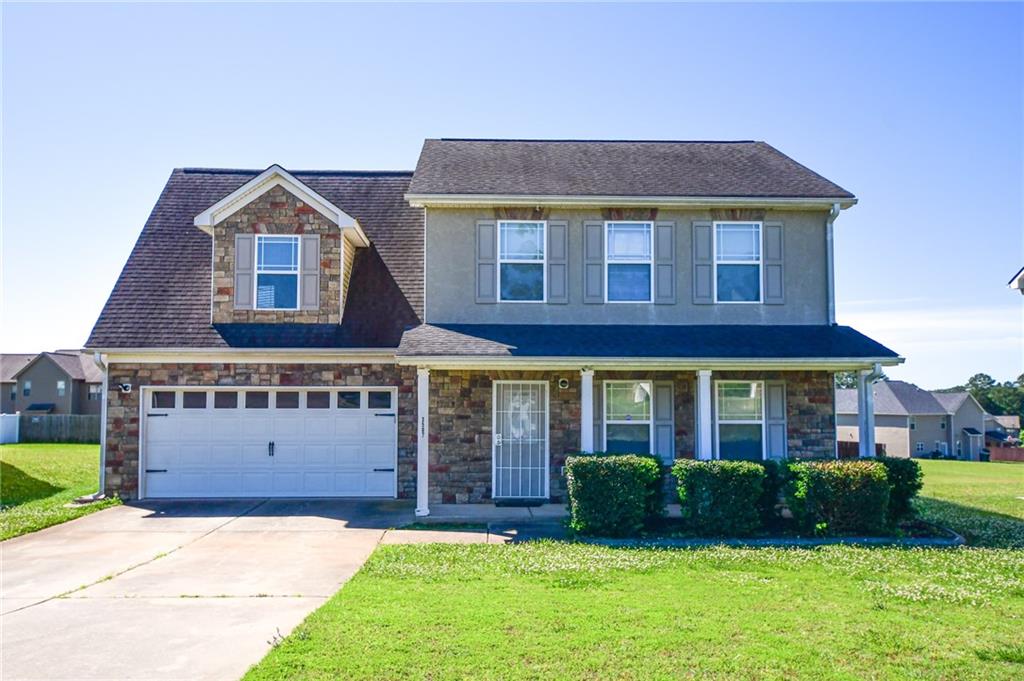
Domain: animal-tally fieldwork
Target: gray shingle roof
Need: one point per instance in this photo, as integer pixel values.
(11, 364)
(162, 297)
(894, 398)
(77, 365)
(615, 168)
(951, 401)
(669, 341)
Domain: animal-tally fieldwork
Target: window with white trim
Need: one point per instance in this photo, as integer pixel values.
(919, 447)
(913, 425)
(628, 417)
(277, 272)
(62, 388)
(628, 262)
(739, 411)
(95, 391)
(521, 258)
(738, 262)
(26, 388)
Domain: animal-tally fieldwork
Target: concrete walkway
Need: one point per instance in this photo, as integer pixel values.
(177, 590)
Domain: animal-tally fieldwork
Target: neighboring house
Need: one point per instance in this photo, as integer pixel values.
(1017, 281)
(1002, 431)
(10, 364)
(910, 421)
(451, 334)
(61, 382)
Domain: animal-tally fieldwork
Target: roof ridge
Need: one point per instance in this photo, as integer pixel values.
(596, 141)
(310, 173)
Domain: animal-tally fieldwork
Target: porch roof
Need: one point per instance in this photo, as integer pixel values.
(670, 342)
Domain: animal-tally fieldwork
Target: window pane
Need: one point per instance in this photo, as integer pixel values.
(163, 399)
(739, 283)
(522, 282)
(629, 242)
(738, 242)
(225, 400)
(278, 253)
(257, 400)
(522, 241)
(739, 401)
(193, 400)
(627, 402)
(629, 282)
(277, 291)
(287, 400)
(628, 439)
(348, 399)
(379, 399)
(739, 442)
(318, 400)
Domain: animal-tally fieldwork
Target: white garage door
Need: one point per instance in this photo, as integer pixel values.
(308, 442)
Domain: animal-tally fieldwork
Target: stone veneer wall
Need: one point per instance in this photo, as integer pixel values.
(277, 211)
(122, 447)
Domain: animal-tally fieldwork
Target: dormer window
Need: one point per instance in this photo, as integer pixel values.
(277, 272)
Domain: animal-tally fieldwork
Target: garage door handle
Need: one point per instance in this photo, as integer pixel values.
(156, 470)
(383, 470)
(383, 414)
(270, 449)
(153, 416)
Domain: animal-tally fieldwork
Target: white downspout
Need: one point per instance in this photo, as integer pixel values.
(830, 262)
(98, 359)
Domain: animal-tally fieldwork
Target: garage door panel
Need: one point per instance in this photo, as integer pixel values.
(224, 452)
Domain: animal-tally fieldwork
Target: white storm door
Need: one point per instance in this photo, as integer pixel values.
(520, 461)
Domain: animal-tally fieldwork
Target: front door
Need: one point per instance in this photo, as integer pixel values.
(520, 463)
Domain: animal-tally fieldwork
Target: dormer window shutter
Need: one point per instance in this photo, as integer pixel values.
(703, 264)
(309, 271)
(774, 283)
(245, 263)
(486, 261)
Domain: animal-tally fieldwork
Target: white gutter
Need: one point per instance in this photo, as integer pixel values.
(625, 363)
(454, 200)
(98, 359)
(830, 262)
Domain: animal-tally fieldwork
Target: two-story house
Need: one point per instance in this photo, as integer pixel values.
(451, 334)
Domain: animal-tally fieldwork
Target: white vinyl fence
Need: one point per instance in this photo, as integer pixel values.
(8, 428)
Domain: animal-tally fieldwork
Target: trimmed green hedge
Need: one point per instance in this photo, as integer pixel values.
(839, 497)
(722, 497)
(613, 495)
(905, 480)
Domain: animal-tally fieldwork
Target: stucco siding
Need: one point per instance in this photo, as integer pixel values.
(450, 279)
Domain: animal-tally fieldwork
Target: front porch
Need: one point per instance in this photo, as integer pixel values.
(502, 434)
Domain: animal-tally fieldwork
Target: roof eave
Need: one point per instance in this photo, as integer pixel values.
(666, 363)
(427, 200)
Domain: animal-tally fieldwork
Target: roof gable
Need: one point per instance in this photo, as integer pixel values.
(276, 176)
(11, 364)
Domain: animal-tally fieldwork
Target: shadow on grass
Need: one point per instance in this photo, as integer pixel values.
(978, 527)
(18, 487)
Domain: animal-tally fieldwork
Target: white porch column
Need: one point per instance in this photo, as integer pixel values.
(705, 448)
(422, 440)
(587, 410)
(866, 414)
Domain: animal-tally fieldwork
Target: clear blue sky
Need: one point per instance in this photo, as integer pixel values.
(916, 108)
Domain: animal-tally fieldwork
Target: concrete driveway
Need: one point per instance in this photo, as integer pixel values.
(176, 590)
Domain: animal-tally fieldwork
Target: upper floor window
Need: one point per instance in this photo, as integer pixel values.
(62, 388)
(628, 264)
(26, 388)
(277, 272)
(738, 262)
(521, 261)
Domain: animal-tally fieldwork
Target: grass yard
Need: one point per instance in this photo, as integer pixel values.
(982, 501)
(36, 480)
(570, 611)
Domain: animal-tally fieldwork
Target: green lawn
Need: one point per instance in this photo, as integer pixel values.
(534, 611)
(982, 501)
(36, 481)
